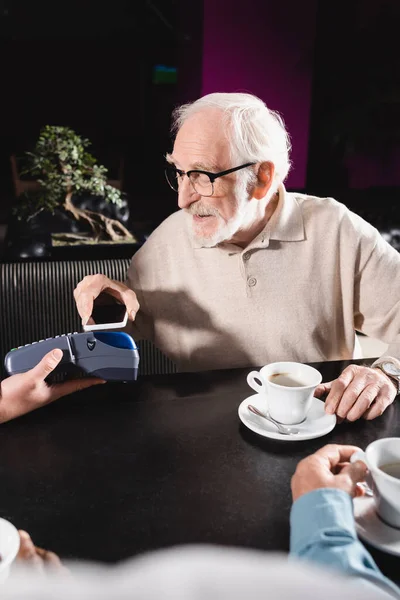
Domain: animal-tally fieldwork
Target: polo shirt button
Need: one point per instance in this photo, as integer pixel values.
(246, 256)
(252, 281)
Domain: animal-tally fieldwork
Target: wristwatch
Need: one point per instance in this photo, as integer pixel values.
(391, 369)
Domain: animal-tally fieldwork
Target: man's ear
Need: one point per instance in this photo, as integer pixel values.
(265, 177)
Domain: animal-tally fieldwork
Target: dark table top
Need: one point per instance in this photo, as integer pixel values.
(120, 469)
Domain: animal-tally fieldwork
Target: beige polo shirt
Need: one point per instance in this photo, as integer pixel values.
(298, 291)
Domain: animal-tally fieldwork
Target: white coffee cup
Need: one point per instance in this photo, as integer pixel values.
(287, 388)
(9, 546)
(386, 488)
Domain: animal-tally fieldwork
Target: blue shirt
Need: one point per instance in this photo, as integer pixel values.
(322, 530)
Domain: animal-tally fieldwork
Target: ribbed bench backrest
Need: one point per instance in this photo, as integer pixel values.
(36, 302)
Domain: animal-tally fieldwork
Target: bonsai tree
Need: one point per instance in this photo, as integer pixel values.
(64, 168)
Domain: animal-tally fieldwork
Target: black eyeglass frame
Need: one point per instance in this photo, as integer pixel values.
(212, 176)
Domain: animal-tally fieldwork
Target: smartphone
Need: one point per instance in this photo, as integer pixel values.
(106, 314)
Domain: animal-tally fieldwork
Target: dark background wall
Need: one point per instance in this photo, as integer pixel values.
(92, 68)
(355, 110)
(330, 69)
(266, 48)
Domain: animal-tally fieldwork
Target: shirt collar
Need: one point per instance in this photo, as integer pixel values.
(287, 223)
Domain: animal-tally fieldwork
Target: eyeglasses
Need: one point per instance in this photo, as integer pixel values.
(202, 181)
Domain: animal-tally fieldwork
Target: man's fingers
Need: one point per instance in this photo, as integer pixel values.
(131, 303)
(47, 364)
(349, 397)
(92, 286)
(360, 392)
(127, 297)
(49, 557)
(84, 305)
(362, 403)
(335, 454)
(322, 389)
(338, 387)
(59, 390)
(27, 551)
(356, 471)
(26, 546)
(378, 407)
(87, 291)
(37, 557)
(359, 491)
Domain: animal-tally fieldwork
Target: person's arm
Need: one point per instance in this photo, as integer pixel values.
(323, 531)
(362, 391)
(22, 393)
(322, 522)
(142, 327)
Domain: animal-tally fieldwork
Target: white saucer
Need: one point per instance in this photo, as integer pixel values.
(372, 529)
(317, 423)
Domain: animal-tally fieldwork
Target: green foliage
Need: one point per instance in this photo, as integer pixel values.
(61, 164)
(29, 204)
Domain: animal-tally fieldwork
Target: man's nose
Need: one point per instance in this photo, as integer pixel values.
(187, 194)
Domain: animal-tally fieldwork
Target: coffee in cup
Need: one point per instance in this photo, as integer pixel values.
(287, 389)
(382, 458)
(285, 379)
(392, 469)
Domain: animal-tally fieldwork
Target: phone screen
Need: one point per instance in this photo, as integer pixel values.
(106, 313)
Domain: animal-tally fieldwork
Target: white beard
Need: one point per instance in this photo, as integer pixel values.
(226, 230)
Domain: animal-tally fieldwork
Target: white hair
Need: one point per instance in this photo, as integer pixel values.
(256, 133)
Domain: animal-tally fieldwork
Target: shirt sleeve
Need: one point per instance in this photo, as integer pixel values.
(142, 328)
(323, 531)
(377, 291)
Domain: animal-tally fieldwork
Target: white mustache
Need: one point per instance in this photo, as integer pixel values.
(200, 210)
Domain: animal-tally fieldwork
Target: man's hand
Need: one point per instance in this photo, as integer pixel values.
(37, 558)
(329, 467)
(358, 392)
(22, 393)
(91, 287)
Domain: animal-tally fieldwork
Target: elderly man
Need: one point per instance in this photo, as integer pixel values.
(246, 273)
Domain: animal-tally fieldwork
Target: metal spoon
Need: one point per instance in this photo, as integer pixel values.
(281, 428)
